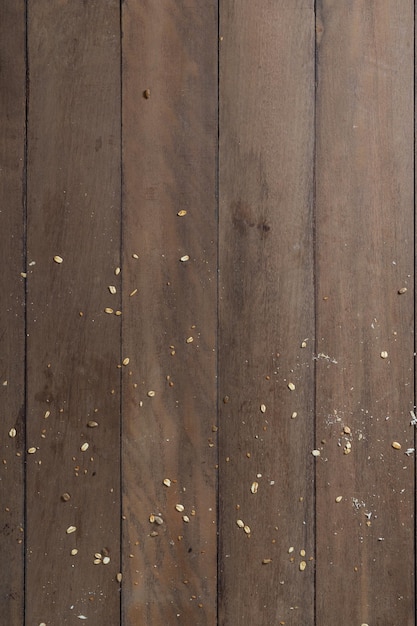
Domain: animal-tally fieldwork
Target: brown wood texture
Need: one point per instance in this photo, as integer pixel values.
(364, 243)
(73, 346)
(231, 188)
(266, 313)
(170, 323)
(12, 318)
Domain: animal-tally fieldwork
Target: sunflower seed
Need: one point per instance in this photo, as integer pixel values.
(31, 450)
(266, 561)
(184, 258)
(179, 508)
(58, 259)
(338, 498)
(106, 560)
(84, 446)
(303, 565)
(112, 289)
(246, 529)
(384, 354)
(254, 487)
(119, 577)
(74, 551)
(396, 445)
(189, 340)
(12, 432)
(186, 519)
(65, 497)
(315, 452)
(92, 424)
(108, 310)
(71, 529)
(402, 290)
(167, 482)
(263, 408)
(126, 361)
(240, 523)
(182, 213)
(291, 386)
(151, 394)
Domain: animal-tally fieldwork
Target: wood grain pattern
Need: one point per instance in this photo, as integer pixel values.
(169, 156)
(73, 345)
(12, 319)
(364, 173)
(266, 311)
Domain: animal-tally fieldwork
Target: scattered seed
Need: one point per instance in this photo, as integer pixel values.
(74, 551)
(246, 529)
(151, 394)
(338, 498)
(106, 560)
(47, 414)
(184, 258)
(302, 552)
(396, 445)
(158, 520)
(23, 274)
(347, 430)
(65, 497)
(303, 344)
(119, 577)
(384, 354)
(97, 561)
(291, 550)
(240, 523)
(12, 433)
(152, 518)
(179, 507)
(84, 446)
(291, 386)
(182, 213)
(186, 519)
(254, 487)
(31, 450)
(189, 340)
(126, 361)
(402, 290)
(92, 424)
(303, 565)
(263, 408)
(134, 292)
(266, 561)
(315, 452)
(226, 399)
(167, 482)
(135, 256)
(118, 313)
(71, 529)
(108, 310)
(58, 259)
(147, 94)
(293, 415)
(117, 271)
(112, 289)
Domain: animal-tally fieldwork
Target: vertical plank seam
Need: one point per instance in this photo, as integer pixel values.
(25, 300)
(315, 307)
(414, 299)
(121, 308)
(217, 194)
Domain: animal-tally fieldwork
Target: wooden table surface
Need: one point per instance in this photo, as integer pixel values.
(207, 313)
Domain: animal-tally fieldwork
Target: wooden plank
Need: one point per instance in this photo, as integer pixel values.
(169, 161)
(12, 313)
(73, 345)
(266, 311)
(364, 225)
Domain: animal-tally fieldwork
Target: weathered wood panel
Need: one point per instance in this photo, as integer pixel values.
(365, 377)
(266, 312)
(73, 346)
(12, 313)
(169, 323)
